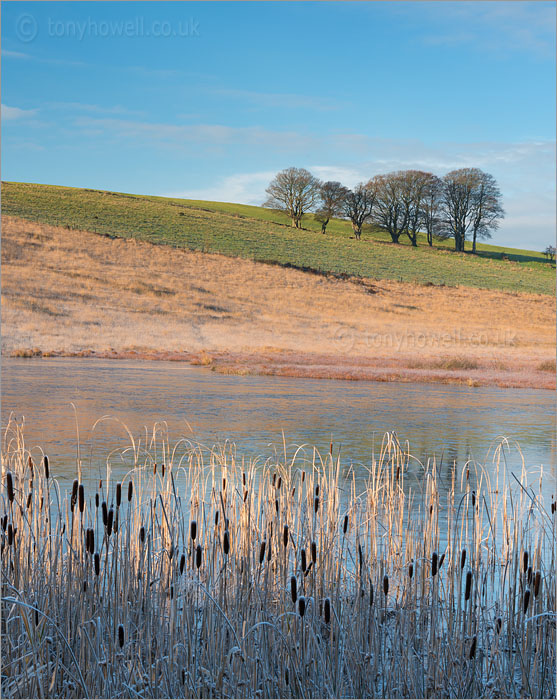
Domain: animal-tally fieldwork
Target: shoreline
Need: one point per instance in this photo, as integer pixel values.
(309, 366)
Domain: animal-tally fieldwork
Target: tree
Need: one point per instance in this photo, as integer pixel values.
(415, 187)
(457, 204)
(549, 253)
(487, 209)
(431, 219)
(332, 195)
(389, 210)
(294, 191)
(358, 206)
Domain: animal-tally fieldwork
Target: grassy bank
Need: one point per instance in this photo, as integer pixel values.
(201, 575)
(262, 235)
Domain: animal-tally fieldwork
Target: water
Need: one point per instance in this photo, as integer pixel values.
(449, 423)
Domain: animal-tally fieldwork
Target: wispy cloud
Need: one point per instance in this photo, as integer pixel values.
(15, 54)
(11, 114)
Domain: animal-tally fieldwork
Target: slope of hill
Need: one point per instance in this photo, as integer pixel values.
(77, 293)
(262, 235)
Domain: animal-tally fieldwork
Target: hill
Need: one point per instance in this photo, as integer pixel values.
(262, 235)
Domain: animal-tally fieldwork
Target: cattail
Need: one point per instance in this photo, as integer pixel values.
(262, 552)
(526, 599)
(130, 491)
(142, 534)
(276, 505)
(286, 676)
(182, 563)
(498, 625)
(193, 529)
(345, 525)
(121, 635)
(97, 563)
(473, 648)
(304, 562)
(109, 522)
(386, 585)
(473, 498)
(434, 564)
(360, 556)
(75, 487)
(316, 503)
(293, 588)
(81, 498)
(303, 477)
(29, 498)
(537, 581)
(553, 507)
(46, 467)
(118, 495)
(279, 483)
(10, 534)
(314, 552)
(226, 542)
(162, 468)
(105, 513)
(224, 483)
(85, 586)
(285, 536)
(463, 559)
(529, 575)
(96, 500)
(525, 561)
(90, 541)
(441, 560)
(116, 523)
(411, 569)
(198, 556)
(302, 605)
(327, 611)
(10, 487)
(468, 585)
(155, 468)
(4, 523)
(370, 594)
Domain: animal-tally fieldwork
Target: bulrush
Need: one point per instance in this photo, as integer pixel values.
(411, 569)
(314, 552)
(302, 605)
(434, 564)
(285, 536)
(441, 560)
(293, 588)
(472, 653)
(81, 498)
(303, 560)
(468, 585)
(537, 581)
(327, 611)
(130, 491)
(109, 522)
(226, 542)
(75, 488)
(121, 635)
(316, 503)
(104, 513)
(193, 529)
(10, 487)
(462, 559)
(198, 555)
(118, 495)
(46, 465)
(142, 534)
(386, 585)
(371, 592)
(97, 561)
(182, 563)
(525, 561)
(97, 500)
(498, 625)
(262, 552)
(345, 525)
(526, 599)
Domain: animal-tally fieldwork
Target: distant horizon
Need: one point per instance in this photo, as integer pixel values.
(210, 101)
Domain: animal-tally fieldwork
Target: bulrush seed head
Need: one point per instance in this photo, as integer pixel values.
(198, 555)
(182, 563)
(75, 488)
(434, 564)
(10, 487)
(463, 559)
(104, 513)
(327, 611)
(411, 569)
(46, 466)
(81, 498)
(97, 564)
(142, 534)
(386, 585)
(226, 542)
(118, 495)
(285, 536)
(121, 635)
(293, 588)
(468, 585)
(345, 525)
(537, 581)
(525, 561)
(262, 552)
(303, 560)
(130, 491)
(193, 529)
(526, 599)
(473, 648)
(314, 552)
(302, 605)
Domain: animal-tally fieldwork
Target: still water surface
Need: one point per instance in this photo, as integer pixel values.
(449, 423)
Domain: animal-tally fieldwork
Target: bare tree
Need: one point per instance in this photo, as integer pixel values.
(294, 191)
(358, 206)
(431, 215)
(389, 211)
(487, 209)
(332, 195)
(457, 204)
(549, 253)
(414, 194)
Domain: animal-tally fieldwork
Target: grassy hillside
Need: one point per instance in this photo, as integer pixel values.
(262, 235)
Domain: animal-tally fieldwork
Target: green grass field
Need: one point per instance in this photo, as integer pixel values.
(264, 235)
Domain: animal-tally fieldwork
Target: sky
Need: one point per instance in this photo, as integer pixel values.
(210, 100)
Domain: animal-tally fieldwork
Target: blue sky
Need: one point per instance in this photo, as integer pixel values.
(209, 100)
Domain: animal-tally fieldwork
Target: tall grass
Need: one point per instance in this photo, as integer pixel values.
(204, 575)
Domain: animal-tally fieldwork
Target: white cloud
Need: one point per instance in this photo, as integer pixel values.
(10, 114)
(243, 188)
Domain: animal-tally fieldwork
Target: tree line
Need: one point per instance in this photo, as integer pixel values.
(464, 204)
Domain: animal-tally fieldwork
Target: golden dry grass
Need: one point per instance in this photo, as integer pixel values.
(73, 292)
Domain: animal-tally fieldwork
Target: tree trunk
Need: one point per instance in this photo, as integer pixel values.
(294, 222)
(430, 239)
(413, 239)
(357, 231)
(395, 237)
(324, 226)
(474, 243)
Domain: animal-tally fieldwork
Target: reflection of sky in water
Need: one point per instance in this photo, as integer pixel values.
(452, 423)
